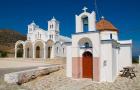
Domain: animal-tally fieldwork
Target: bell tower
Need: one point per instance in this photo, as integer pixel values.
(53, 25)
(87, 20)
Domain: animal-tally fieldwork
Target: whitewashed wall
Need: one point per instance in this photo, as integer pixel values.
(114, 63)
(69, 62)
(124, 56)
(106, 56)
(93, 36)
(105, 35)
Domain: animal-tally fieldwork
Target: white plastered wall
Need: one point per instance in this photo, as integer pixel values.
(69, 61)
(124, 56)
(91, 21)
(106, 56)
(93, 36)
(105, 35)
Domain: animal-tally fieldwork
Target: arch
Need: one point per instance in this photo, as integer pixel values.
(28, 49)
(28, 52)
(19, 50)
(39, 48)
(19, 42)
(37, 52)
(84, 14)
(49, 48)
(85, 43)
(85, 21)
(87, 65)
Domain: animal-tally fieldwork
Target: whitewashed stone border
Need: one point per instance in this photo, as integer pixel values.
(27, 75)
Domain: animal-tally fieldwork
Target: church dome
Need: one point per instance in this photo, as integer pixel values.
(104, 25)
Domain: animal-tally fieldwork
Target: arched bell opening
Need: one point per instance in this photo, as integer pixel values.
(85, 23)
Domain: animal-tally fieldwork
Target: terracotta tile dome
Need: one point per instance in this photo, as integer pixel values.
(104, 25)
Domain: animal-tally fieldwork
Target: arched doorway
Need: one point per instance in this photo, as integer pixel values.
(28, 49)
(37, 52)
(27, 52)
(87, 65)
(20, 50)
(49, 52)
(50, 48)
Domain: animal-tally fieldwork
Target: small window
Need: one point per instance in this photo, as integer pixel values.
(50, 36)
(38, 34)
(63, 50)
(57, 50)
(86, 45)
(105, 63)
(110, 36)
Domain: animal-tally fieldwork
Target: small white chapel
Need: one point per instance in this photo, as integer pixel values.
(96, 51)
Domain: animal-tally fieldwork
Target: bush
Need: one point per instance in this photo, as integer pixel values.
(135, 60)
(3, 54)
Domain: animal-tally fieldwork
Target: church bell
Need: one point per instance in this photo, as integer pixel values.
(85, 21)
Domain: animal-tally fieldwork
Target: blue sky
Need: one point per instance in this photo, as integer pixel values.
(124, 14)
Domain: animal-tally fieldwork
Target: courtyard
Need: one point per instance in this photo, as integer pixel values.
(59, 81)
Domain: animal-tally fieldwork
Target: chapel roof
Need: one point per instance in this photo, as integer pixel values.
(104, 25)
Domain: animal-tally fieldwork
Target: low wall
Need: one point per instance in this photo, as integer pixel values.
(27, 75)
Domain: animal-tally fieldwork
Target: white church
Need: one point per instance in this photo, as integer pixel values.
(94, 51)
(97, 53)
(42, 43)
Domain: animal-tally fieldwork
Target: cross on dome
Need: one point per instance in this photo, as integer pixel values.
(85, 9)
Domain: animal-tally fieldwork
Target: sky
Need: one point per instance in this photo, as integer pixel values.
(123, 14)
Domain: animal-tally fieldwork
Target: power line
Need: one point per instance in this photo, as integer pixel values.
(96, 9)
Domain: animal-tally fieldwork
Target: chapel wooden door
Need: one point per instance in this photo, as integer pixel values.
(87, 65)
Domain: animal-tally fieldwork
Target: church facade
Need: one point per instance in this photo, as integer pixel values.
(42, 43)
(96, 51)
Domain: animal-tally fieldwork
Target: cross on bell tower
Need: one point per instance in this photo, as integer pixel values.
(85, 9)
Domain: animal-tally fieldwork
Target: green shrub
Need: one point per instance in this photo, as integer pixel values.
(135, 59)
(3, 54)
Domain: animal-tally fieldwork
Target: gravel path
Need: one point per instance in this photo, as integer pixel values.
(58, 81)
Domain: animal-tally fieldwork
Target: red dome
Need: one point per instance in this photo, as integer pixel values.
(104, 25)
